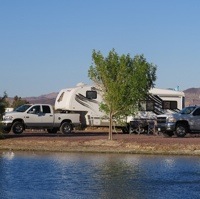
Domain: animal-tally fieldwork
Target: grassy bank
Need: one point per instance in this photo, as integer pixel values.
(127, 144)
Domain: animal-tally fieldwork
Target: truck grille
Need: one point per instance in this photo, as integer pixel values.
(161, 120)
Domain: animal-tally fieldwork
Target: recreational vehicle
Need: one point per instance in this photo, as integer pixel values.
(85, 100)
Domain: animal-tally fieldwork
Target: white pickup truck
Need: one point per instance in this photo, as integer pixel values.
(39, 116)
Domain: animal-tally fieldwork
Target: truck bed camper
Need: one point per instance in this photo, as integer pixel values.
(84, 99)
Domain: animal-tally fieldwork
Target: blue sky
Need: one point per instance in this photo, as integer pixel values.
(46, 45)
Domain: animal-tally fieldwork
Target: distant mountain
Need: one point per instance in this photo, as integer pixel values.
(43, 99)
(192, 97)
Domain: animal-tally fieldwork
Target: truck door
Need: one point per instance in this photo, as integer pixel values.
(33, 117)
(47, 116)
(196, 120)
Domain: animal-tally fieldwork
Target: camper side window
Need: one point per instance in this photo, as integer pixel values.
(91, 94)
(147, 105)
(169, 105)
(61, 97)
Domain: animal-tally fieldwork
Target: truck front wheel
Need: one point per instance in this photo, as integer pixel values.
(66, 128)
(181, 130)
(18, 127)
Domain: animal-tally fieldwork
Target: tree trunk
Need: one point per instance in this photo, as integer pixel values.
(110, 126)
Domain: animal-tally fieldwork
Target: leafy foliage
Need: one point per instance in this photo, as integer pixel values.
(18, 101)
(123, 80)
(3, 103)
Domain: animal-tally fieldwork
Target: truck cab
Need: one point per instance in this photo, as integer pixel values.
(32, 115)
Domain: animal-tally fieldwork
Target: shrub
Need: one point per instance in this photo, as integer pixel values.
(1, 132)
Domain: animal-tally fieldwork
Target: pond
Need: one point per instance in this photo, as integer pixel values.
(93, 175)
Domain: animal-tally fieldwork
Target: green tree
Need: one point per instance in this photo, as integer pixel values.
(123, 80)
(18, 101)
(3, 103)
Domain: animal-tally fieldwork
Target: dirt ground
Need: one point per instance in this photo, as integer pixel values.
(97, 141)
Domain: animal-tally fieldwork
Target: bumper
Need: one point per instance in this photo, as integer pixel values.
(166, 127)
(6, 124)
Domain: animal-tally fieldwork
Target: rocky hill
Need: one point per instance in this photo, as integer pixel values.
(43, 99)
(192, 96)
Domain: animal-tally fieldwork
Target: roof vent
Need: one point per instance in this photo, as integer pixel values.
(80, 84)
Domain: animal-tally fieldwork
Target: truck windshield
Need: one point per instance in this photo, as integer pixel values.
(187, 110)
(23, 108)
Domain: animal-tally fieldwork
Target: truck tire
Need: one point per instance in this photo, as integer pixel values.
(17, 127)
(66, 128)
(52, 131)
(181, 130)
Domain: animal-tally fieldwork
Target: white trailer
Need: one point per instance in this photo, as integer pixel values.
(161, 101)
(8, 110)
(85, 100)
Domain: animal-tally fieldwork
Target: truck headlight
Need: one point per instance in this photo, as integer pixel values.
(171, 119)
(6, 117)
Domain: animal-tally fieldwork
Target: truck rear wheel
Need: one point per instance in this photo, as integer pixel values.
(66, 128)
(17, 127)
(181, 130)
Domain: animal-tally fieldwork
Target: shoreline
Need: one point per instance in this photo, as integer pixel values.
(97, 142)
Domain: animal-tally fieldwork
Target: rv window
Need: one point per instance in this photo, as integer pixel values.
(169, 105)
(61, 97)
(91, 94)
(147, 105)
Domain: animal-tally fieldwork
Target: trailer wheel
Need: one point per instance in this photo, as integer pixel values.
(124, 130)
(66, 128)
(181, 130)
(168, 134)
(52, 131)
(17, 127)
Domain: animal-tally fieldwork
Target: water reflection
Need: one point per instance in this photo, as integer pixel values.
(9, 155)
(80, 175)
